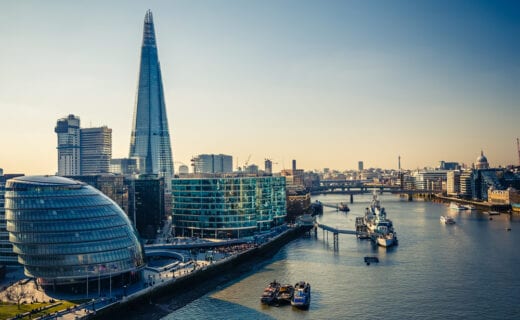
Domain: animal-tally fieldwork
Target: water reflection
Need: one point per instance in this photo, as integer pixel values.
(437, 271)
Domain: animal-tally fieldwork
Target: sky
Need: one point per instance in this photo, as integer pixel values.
(328, 83)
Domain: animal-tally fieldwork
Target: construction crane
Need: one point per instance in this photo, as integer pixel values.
(247, 161)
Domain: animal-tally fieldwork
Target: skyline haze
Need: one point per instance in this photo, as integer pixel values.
(328, 84)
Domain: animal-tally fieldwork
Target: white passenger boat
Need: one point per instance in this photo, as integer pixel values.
(457, 206)
(447, 220)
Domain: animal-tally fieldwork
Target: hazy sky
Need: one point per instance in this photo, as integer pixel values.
(328, 83)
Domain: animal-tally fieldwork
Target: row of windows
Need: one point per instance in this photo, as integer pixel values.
(64, 214)
(51, 226)
(72, 248)
(228, 219)
(94, 235)
(251, 224)
(41, 203)
(54, 192)
(224, 182)
(115, 267)
(78, 259)
(218, 200)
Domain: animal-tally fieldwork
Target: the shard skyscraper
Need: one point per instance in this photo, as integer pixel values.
(150, 140)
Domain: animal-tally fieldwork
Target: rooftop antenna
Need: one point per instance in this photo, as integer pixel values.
(518, 149)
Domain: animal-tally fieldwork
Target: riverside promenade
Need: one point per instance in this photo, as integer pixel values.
(160, 282)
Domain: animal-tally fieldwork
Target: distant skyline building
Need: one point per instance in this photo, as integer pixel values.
(69, 147)
(184, 169)
(453, 182)
(360, 165)
(96, 150)
(212, 163)
(124, 166)
(482, 162)
(443, 165)
(150, 138)
(268, 166)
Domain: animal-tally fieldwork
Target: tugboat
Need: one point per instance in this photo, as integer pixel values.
(285, 294)
(302, 295)
(270, 293)
(343, 207)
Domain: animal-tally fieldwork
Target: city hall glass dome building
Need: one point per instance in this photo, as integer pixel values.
(224, 207)
(65, 231)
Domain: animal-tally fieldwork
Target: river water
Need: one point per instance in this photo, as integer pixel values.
(469, 270)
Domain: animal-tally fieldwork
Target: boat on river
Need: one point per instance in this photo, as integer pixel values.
(285, 294)
(302, 295)
(343, 207)
(457, 206)
(386, 239)
(378, 225)
(447, 220)
(270, 293)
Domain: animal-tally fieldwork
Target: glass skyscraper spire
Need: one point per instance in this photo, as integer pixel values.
(150, 140)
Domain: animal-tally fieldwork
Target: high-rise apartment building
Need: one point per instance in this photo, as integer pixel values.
(82, 151)
(69, 146)
(150, 139)
(212, 163)
(360, 165)
(96, 150)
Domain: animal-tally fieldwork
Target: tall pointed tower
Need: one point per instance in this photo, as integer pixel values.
(150, 140)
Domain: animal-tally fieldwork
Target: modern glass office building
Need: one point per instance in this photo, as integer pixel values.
(227, 207)
(65, 231)
(150, 139)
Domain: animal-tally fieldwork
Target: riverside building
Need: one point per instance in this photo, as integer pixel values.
(222, 207)
(67, 232)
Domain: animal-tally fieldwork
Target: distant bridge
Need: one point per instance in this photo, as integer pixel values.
(344, 187)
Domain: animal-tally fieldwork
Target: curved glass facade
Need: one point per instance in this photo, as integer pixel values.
(66, 231)
(227, 207)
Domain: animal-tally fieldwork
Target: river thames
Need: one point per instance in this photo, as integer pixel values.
(468, 270)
